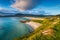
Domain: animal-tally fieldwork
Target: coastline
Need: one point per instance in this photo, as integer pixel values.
(34, 25)
(31, 23)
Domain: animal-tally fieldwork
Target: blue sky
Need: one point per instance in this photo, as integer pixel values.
(48, 7)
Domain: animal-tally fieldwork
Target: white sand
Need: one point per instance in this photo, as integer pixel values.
(34, 25)
(34, 18)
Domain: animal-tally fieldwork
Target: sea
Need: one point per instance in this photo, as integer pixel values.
(11, 28)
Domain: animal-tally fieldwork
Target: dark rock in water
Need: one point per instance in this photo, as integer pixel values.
(23, 21)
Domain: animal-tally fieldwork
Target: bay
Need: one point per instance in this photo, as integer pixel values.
(11, 27)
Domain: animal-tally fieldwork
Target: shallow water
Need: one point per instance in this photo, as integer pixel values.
(11, 27)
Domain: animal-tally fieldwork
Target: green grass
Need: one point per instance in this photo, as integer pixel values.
(47, 24)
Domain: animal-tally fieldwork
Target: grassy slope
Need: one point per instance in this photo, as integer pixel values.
(50, 30)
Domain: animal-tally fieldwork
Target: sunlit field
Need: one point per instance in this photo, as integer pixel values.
(49, 30)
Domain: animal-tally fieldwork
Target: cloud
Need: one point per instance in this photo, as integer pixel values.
(1, 8)
(7, 11)
(25, 4)
(36, 12)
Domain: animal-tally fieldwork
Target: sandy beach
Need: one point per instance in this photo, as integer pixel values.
(34, 25)
(34, 18)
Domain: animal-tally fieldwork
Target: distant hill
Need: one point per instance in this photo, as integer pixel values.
(21, 15)
(2, 14)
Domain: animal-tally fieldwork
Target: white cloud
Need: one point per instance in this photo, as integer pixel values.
(36, 12)
(9, 11)
(1, 8)
(21, 4)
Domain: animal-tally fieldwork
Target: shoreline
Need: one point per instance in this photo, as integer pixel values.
(34, 25)
(31, 23)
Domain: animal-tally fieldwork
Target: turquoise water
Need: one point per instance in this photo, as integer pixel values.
(11, 27)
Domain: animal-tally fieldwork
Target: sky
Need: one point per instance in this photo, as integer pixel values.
(37, 7)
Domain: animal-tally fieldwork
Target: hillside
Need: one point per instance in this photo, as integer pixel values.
(49, 30)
